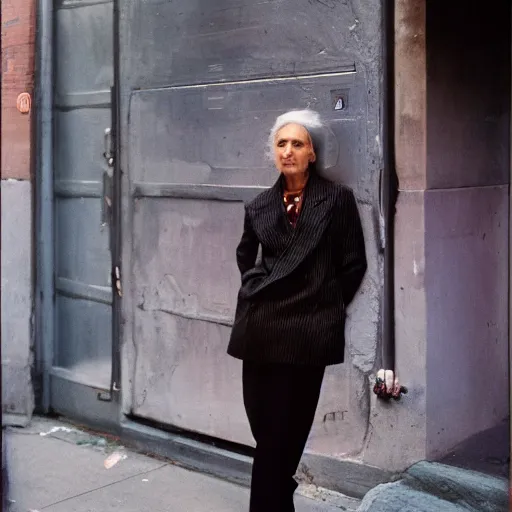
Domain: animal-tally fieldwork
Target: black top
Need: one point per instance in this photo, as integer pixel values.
(291, 304)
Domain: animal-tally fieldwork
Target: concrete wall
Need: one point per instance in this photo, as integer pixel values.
(451, 243)
(398, 430)
(466, 256)
(466, 220)
(17, 395)
(18, 30)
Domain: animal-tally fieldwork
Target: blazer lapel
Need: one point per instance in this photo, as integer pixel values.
(301, 240)
(271, 223)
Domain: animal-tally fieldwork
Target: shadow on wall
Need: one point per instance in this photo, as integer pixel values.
(487, 452)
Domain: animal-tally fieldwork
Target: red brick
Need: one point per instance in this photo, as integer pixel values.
(18, 51)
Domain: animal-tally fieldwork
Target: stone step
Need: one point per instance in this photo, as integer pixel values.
(434, 487)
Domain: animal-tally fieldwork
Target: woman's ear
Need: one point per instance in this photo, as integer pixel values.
(312, 157)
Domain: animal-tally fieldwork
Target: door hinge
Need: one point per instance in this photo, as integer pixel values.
(117, 281)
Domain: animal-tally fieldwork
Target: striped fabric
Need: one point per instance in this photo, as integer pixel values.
(291, 305)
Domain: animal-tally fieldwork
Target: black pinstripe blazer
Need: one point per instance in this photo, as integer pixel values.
(291, 305)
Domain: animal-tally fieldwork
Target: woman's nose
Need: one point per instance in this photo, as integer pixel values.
(287, 150)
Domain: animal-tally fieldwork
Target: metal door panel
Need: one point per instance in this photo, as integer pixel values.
(83, 253)
(192, 384)
(172, 260)
(83, 303)
(200, 41)
(201, 84)
(87, 337)
(79, 141)
(84, 49)
(199, 135)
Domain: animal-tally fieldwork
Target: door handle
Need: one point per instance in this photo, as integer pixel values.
(106, 200)
(108, 148)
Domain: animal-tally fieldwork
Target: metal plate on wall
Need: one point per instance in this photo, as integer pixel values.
(200, 41)
(199, 135)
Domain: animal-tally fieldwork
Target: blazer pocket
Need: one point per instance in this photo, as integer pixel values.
(254, 272)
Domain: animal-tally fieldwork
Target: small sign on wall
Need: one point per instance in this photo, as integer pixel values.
(339, 99)
(24, 103)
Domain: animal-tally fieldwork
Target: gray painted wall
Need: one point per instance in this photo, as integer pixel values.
(16, 326)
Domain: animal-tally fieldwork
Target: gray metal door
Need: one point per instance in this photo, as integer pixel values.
(82, 360)
(201, 83)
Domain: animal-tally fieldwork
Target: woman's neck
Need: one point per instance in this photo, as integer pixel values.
(296, 183)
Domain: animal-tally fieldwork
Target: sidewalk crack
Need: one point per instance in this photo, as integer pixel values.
(102, 487)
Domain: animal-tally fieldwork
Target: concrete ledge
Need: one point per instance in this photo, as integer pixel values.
(15, 420)
(346, 477)
(188, 453)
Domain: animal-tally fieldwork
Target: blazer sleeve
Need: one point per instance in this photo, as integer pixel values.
(353, 254)
(247, 249)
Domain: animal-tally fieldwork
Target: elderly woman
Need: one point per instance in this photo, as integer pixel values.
(302, 259)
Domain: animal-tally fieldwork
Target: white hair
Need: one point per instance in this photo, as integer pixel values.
(311, 121)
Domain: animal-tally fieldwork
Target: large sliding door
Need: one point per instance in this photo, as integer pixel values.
(201, 84)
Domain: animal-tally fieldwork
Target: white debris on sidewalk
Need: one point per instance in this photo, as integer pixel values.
(58, 429)
(113, 459)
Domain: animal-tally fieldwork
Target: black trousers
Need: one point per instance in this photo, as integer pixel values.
(280, 401)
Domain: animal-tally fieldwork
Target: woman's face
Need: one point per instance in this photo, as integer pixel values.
(293, 150)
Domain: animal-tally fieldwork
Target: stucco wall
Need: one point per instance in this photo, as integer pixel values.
(16, 331)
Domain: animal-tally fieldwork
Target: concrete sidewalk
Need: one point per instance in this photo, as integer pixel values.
(55, 468)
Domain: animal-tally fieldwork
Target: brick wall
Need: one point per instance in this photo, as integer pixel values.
(18, 45)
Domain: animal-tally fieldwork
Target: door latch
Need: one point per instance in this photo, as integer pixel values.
(106, 204)
(117, 281)
(108, 147)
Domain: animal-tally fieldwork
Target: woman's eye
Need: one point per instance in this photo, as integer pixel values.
(297, 144)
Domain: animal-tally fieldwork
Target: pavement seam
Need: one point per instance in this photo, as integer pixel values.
(103, 487)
